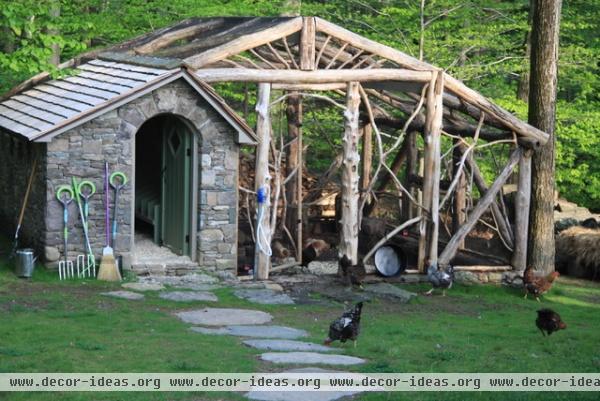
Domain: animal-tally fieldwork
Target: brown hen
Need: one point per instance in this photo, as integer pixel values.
(535, 285)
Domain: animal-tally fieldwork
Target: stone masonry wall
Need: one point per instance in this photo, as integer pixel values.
(16, 161)
(81, 152)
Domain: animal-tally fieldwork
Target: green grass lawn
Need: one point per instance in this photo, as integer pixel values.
(51, 326)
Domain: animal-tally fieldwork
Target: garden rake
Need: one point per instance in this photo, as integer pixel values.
(86, 264)
(64, 194)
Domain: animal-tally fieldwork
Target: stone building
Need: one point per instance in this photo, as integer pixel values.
(170, 134)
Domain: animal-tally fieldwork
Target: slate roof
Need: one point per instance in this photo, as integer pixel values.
(52, 107)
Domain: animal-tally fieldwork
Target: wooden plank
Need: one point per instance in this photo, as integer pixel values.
(310, 77)
(484, 202)
(522, 207)
(245, 42)
(348, 245)
(262, 261)
(532, 135)
(307, 44)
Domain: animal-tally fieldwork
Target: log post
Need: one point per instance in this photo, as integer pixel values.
(431, 174)
(307, 44)
(367, 157)
(460, 196)
(294, 126)
(349, 222)
(262, 259)
(484, 202)
(412, 168)
(522, 204)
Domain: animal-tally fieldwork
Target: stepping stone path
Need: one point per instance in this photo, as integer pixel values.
(133, 296)
(143, 286)
(253, 324)
(287, 345)
(224, 317)
(310, 358)
(264, 296)
(189, 296)
(391, 290)
(255, 331)
(300, 395)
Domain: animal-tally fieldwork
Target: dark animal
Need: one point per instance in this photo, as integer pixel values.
(549, 321)
(537, 286)
(439, 278)
(353, 274)
(346, 327)
(312, 250)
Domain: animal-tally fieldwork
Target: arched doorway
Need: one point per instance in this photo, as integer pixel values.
(163, 182)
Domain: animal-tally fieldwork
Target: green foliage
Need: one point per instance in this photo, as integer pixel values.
(482, 42)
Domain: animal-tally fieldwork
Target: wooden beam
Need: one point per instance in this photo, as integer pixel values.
(307, 44)
(294, 128)
(409, 209)
(479, 181)
(244, 43)
(262, 261)
(310, 77)
(532, 135)
(460, 196)
(484, 202)
(522, 205)
(309, 87)
(435, 129)
(349, 222)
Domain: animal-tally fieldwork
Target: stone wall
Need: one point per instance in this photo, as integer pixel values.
(16, 161)
(81, 152)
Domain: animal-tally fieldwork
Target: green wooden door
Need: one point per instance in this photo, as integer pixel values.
(176, 161)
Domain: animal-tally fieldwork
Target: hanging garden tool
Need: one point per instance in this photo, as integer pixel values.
(117, 181)
(86, 264)
(64, 194)
(108, 269)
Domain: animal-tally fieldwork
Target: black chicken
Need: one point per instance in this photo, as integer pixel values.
(439, 278)
(353, 274)
(346, 327)
(549, 321)
(312, 250)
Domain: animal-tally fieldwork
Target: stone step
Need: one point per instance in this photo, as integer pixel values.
(264, 296)
(189, 296)
(310, 358)
(287, 345)
(132, 296)
(280, 332)
(224, 317)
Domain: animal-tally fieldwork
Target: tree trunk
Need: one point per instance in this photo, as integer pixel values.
(294, 122)
(349, 225)
(542, 110)
(523, 88)
(459, 213)
(54, 14)
(262, 262)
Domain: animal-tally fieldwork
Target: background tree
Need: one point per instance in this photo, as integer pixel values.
(542, 113)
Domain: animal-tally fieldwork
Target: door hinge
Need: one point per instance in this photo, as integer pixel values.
(189, 151)
(187, 239)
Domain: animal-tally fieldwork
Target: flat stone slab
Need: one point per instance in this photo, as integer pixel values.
(311, 358)
(197, 286)
(142, 286)
(280, 332)
(264, 296)
(134, 296)
(390, 290)
(287, 345)
(224, 317)
(189, 296)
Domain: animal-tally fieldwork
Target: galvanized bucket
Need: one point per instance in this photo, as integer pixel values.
(25, 262)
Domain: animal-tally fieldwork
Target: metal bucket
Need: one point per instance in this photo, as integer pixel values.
(25, 262)
(389, 261)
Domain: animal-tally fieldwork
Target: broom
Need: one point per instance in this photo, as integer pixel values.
(108, 268)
